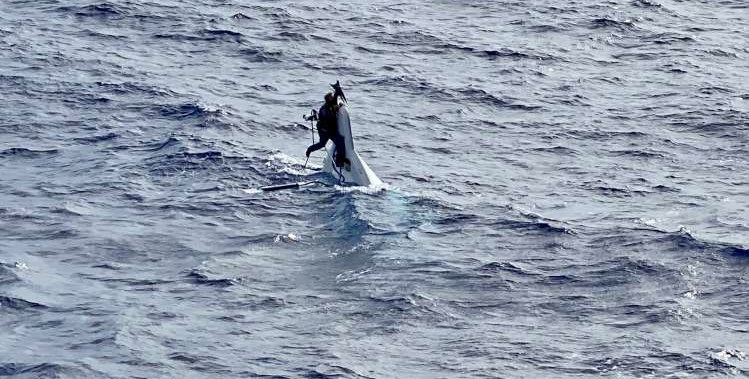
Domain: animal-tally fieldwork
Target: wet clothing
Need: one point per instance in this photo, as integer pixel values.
(327, 129)
(327, 118)
(324, 138)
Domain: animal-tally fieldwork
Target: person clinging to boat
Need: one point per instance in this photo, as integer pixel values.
(341, 161)
(327, 126)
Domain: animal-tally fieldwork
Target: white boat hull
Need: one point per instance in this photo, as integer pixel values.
(358, 173)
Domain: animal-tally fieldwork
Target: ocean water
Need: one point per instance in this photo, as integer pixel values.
(567, 190)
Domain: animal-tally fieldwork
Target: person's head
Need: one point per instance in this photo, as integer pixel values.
(329, 98)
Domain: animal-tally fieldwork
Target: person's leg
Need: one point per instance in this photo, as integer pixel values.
(340, 150)
(319, 145)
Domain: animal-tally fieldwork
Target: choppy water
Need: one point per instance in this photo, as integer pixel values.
(567, 190)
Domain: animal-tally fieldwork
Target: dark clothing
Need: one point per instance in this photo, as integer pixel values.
(324, 138)
(327, 129)
(327, 119)
(340, 146)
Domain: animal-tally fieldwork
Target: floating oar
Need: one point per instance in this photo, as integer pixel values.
(278, 187)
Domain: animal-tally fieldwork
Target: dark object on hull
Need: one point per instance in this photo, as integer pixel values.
(339, 91)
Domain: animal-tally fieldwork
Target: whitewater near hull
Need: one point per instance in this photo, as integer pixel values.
(358, 172)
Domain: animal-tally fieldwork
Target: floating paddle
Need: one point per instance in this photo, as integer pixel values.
(278, 187)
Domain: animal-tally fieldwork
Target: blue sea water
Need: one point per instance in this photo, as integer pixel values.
(567, 190)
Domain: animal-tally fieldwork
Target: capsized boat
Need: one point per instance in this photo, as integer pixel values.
(357, 172)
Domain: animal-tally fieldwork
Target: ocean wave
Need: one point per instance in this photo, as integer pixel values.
(493, 54)
(7, 275)
(414, 304)
(157, 145)
(628, 266)
(370, 50)
(97, 138)
(259, 55)
(534, 226)
(664, 188)
(198, 155)
(506, 267)
(612, 190)
(637, 56)
(655, 361)
(457, 219)
(8, 303)
(680, 241)
(558, 150)
(130, 88)
(646, 154)
(611, 273)
(99, 35)
(510, 53)
(82, 100)
(723, 53)
(182, 111)
(482, 96)
(100, 10)
(431, 204)
(272, 12)
(329, 372)
(605, 22)
(646, 4)
(98, 343)
(547, 28)
(346, 221)
(39, 370)
(242, 17)
(200, 276)
(205, 35)
(223, 35)
(198, 114)
(411, 38)
(290, 36)
(412, 85)
(188, 161)
(668, 38)
(23, 152)
(606, 134)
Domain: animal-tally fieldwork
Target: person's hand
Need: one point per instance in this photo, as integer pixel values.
(308, 152)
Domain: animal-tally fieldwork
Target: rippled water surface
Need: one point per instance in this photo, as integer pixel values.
(567, 190)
